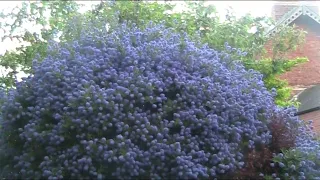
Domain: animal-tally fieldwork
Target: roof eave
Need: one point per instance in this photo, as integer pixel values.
(291, 16)
(307, 111)
(285, 20)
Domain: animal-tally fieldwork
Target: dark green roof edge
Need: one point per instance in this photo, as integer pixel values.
(309, 99)
(307, 111)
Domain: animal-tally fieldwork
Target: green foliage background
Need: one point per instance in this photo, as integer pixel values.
(199, 21)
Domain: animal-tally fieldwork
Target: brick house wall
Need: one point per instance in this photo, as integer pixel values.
(307, 74)
(278, 10)
(315, 116)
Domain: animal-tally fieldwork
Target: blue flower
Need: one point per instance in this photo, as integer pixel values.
(144, 103)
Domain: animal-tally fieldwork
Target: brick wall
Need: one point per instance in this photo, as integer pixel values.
(308, 73)
(278, 10)
(315, 116)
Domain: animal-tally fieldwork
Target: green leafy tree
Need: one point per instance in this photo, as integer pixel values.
(197, 20)
(50, 17)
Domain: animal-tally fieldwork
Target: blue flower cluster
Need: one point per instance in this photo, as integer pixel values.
(133, 104)
(309, 148)
(302, 161)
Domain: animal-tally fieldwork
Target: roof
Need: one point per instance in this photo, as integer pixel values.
(309, 99)
(291, 16)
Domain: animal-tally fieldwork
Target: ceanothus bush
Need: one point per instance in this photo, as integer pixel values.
(302, 161)
(133, 104)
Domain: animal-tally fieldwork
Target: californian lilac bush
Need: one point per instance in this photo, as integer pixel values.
(133, 104)
(303, 160)
(284, 127)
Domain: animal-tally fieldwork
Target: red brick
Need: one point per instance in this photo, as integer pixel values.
(315, 116)
(308, 73)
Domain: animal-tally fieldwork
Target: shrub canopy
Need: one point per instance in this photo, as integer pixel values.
(133, 104)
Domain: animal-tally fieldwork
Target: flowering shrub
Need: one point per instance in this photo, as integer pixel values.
(284, 127)
(133, 104)
(301, 161)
